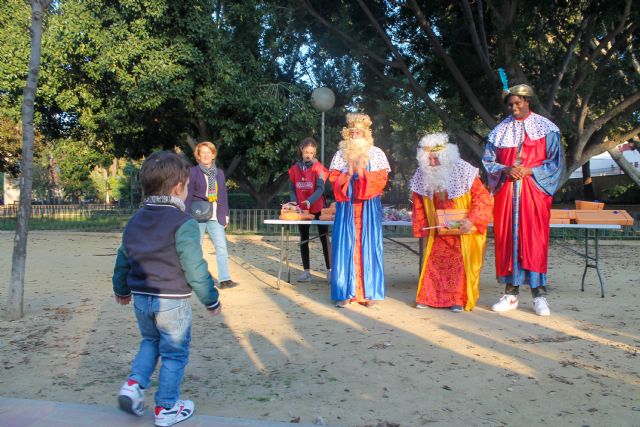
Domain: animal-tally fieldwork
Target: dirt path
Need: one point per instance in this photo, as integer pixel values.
(289, 355)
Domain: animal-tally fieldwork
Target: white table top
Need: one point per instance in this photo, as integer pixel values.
(318, 222)
(409, 224)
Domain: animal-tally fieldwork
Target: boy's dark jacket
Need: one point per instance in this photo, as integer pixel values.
(161, 256)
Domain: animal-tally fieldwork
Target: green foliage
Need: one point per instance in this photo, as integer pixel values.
(10, 146)
(130, 77)
(15, 19)
(580, 57)
(129, 184)
(624, 193)
(76, 161)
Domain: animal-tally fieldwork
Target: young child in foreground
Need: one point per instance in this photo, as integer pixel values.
(160, 263)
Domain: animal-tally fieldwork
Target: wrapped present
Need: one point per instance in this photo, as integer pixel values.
(296, 215)
(327, 211)
(584, 205)
(290, 206)
(327, 217)
(331, 210)
(291, 212)
(449, 221)
(562, 216)
(615, 217)
(289, 215)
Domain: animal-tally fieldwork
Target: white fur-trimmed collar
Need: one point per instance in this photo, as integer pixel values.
(459, 181)
(377, 161)
(510, 132)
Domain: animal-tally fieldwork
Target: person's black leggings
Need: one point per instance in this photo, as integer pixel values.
(323, 230)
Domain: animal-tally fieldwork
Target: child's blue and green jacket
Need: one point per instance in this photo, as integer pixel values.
(161, 255)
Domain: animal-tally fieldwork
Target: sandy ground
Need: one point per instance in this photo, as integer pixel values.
(291, 356)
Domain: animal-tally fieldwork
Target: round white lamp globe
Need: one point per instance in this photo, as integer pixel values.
(323, 99)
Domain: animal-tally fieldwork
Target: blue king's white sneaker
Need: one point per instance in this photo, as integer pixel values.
(506, 303)
(541, 306)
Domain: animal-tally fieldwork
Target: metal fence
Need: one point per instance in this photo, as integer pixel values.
(96, 217)
(111, 218)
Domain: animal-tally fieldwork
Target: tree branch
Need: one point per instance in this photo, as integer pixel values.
(624, 164)
(233, 165)
(483, 35)
(601, 143)
(475, 39)
(565, 65)
(590, 61)
(612, 35)
(453, 68)
(584, 111)
(496, 12)
(474, 143)
(619, 139)
(352, 43)
(413, 83)
(613, 112)
(191, 142)
(634, 60)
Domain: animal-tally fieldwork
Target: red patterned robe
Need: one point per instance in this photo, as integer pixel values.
(450, 273)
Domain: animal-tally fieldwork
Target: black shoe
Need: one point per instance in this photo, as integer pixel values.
(227, 284)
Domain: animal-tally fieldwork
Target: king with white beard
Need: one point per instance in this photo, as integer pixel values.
(450, 272)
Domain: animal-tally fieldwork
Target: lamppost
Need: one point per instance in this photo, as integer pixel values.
(322, 100)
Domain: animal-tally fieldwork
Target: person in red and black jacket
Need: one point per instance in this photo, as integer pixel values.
(307, 178)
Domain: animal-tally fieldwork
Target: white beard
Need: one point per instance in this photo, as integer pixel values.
(436, 177)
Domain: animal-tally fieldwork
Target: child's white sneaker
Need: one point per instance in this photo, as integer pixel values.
(304, 277)
(181, 410)
(506, 303)
(541, 306)
(131, 398)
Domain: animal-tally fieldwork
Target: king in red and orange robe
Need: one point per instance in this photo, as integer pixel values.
(450, 273)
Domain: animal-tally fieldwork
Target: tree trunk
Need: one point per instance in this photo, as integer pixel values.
(624, 164)
(266, 192)
(587, 183)
(15, 302)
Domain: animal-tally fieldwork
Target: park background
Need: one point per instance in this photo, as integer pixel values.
(119, 80)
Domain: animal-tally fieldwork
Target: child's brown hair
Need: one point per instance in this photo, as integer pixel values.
(161, 172)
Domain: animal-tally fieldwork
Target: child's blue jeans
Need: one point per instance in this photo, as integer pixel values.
(165, 325)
